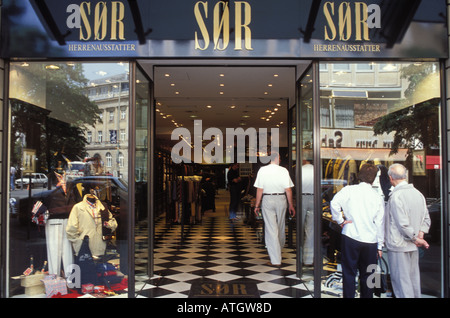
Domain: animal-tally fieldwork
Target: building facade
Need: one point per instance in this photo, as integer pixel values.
(131, 90)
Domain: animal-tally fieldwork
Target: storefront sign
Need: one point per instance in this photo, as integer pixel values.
(215, 28)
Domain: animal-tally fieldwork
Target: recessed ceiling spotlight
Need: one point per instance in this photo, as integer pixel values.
(233, 106)
(208, 106)
(52, 67)
(172, 84)
(270, 85)
(275, 75)
(221, 75)
(177, 93)
(167, 75)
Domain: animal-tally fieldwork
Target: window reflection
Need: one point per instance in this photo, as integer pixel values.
(380, 113)
(59, 134)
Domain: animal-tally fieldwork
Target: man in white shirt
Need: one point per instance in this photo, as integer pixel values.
(274, 186)
(359, 210)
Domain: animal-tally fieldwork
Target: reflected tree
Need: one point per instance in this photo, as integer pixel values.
(56, 131)
(414, 125)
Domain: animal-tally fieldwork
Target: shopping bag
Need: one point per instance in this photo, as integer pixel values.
(54, 286)
(383, 286)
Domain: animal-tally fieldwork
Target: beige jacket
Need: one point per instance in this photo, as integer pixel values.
(86, 220)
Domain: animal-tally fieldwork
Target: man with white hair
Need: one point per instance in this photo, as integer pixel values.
(407, 219)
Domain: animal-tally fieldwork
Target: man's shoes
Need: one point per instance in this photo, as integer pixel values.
(275, 265)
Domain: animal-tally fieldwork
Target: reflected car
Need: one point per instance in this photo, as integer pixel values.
(37, 180)
(111, 190)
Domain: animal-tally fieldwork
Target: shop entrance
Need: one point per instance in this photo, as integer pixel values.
(195, 238)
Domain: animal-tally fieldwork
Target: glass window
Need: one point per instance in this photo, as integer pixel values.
(364, 67)
(395, 120)
(108, 160)
(64, 195)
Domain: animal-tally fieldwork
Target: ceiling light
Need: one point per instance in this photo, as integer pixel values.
(275, 75)
(266, 93)
(52, 67)
(177, 93)
(208, 106)
(233, 106)
(270, 85)
(167, 75)
(221, 93)
(172, 84)
(221, 85)
(222, 75)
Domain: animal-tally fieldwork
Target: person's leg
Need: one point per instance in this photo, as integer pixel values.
(281, 207)
(399, 267)
(268, 208)
(349, 262)
(367, 260)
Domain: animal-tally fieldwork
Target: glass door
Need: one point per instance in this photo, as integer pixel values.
(302, 150)
(143, 222)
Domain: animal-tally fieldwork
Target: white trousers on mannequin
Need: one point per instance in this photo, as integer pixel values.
(274, 213)
(59, 248)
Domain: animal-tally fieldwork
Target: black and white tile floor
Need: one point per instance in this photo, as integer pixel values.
(216, 250)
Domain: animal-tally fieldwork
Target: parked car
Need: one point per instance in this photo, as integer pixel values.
(37, 180)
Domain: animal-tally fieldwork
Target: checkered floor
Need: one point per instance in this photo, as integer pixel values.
(216, 250)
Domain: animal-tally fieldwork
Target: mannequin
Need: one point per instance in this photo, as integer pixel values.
(86, 219)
